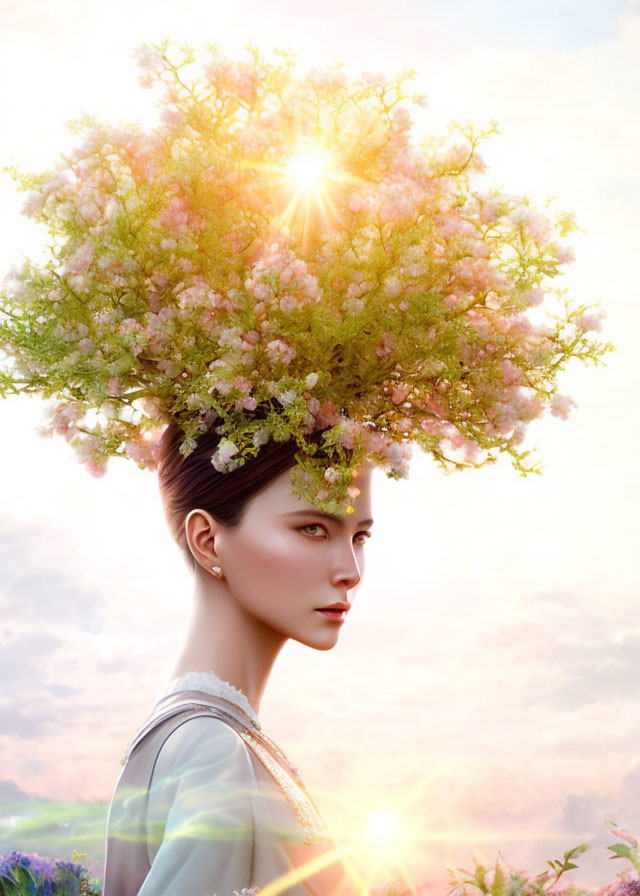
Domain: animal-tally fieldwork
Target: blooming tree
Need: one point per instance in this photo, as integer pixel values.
(281, 258)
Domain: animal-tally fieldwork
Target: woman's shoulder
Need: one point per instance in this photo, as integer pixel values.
(203, 742)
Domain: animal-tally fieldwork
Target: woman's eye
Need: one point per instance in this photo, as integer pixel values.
(312, 526)
(361, 536)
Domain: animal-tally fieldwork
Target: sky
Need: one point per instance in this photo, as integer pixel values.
(489, 669)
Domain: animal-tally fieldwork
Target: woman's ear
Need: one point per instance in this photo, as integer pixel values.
(200, 531)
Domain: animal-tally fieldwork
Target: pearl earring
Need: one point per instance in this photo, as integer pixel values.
(217, 571)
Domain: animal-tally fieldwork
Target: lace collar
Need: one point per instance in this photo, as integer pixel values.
(211, 683)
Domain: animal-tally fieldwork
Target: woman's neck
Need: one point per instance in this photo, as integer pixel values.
(223, 638)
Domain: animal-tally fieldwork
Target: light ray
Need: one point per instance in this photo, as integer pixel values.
(303, 187)
(317, 863)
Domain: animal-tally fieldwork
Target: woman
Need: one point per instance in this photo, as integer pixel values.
(215, 807)
(195, 278)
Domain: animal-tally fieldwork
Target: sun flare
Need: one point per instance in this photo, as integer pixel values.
(309, 168)
(382, 828)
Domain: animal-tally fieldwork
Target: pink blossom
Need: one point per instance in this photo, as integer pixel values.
(386, 344)
(511, 373)
(533, 297)
(355, 290)
(563, 254)
(287, 397)
(533, 222)
(279, 350)
(457, 155)
(402, 424)
(143, 151)
(114, 385)
(530, 407)
(230, 336)
(288, 303)
(328, 414)
(450, 300)
(295, 270)
(459, 442)
(178, 215)
(392, 286)
(86, 346)
(248, 340)
(148, 58)
(332, 474)
(262, 292)
(399, 393)
(63, 417)
(137, 451)
(248, 403)
(97, 468)
(397, 208)
(508, 418)
(433, 404)
(242, 383)
(171, 117)
(401, 119)
(589, 321)
(90, 212)
(375, 79)
(561, 405)
(81, 260)
(193, 295)
(520, 325)
(356, 203)
(150, 405)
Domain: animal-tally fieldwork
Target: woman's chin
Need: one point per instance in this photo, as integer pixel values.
(319, 641)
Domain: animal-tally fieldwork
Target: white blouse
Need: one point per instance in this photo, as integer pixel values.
(218, 820)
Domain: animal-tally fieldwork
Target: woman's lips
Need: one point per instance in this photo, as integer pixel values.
(338, 615)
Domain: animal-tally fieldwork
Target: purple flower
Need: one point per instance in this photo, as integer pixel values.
(43, 876)
(630, 888)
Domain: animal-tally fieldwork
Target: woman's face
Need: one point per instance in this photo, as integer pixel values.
(287, 559)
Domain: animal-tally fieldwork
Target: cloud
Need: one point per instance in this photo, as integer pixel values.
(22, 719)
(588, 809)
(11, 795)
(37, 582)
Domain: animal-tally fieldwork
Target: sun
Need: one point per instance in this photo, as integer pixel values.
(309, 168)
(310, 179)
(305, 187)
(382, 829)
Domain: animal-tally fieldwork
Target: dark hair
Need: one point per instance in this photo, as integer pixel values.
(193, 482)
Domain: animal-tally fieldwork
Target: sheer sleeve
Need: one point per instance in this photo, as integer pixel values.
(200, 815)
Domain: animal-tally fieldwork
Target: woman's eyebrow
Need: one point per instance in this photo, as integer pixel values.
(328, 516)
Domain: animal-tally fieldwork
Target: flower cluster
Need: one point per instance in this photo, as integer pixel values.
(193, 278)
(32, 875)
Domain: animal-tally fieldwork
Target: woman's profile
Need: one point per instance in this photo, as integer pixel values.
(206, 803)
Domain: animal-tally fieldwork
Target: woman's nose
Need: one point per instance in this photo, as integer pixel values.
(346, 570)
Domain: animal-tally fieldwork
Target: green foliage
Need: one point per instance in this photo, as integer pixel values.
(191, 279)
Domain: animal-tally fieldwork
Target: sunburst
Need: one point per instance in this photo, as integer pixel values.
(304, 186)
